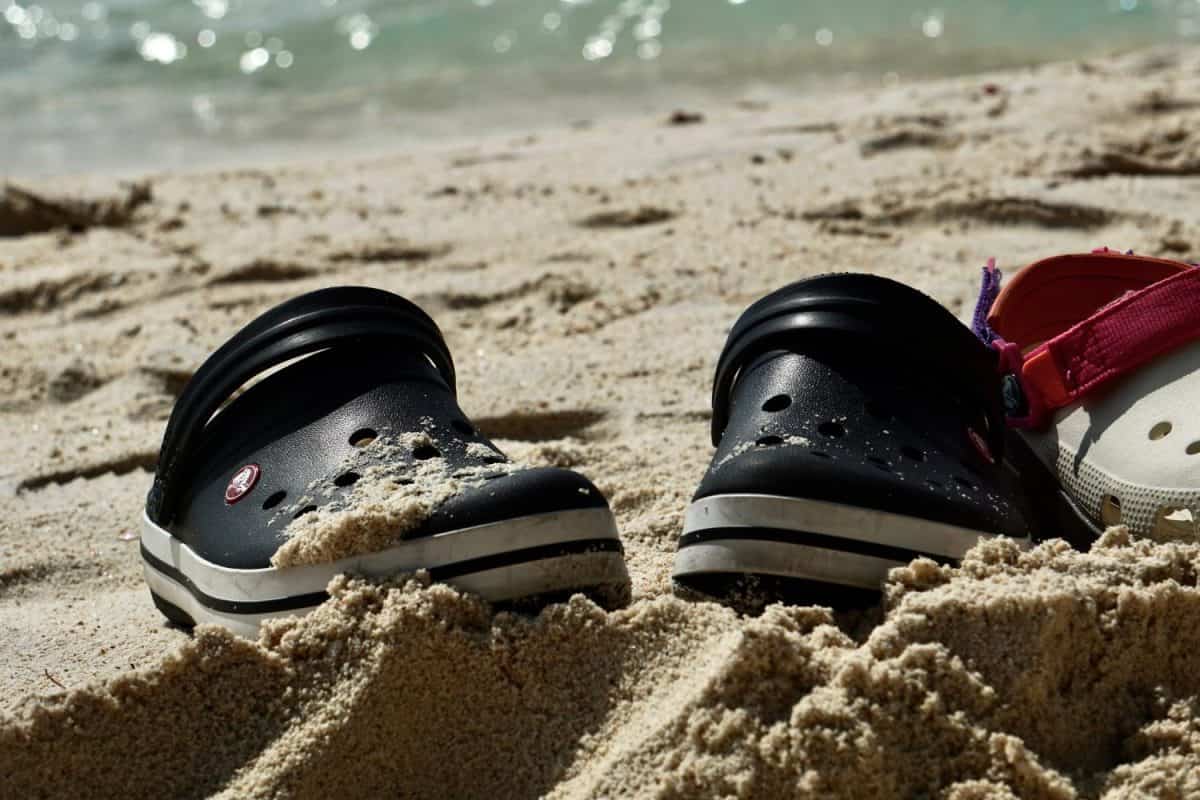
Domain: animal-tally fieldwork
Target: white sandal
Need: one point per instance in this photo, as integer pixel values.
(1101, 358)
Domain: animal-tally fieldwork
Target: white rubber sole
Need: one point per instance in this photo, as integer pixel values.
(502, 561)
(811, 540)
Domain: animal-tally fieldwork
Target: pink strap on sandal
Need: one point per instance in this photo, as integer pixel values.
(1100, 354)
(1116, 340)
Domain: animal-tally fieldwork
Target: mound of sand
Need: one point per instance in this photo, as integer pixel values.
(1044, 674)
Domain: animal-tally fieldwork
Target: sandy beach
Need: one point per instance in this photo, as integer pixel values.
(585, 278)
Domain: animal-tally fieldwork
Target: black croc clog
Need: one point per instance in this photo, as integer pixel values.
(858, 425)
(352, 455)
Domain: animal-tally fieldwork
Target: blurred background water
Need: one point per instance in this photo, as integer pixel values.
(149, 84)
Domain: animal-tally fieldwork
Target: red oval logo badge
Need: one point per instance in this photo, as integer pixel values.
(241, 483)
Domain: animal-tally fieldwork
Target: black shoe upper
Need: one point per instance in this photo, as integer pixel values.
(857, 390)
(301, 425)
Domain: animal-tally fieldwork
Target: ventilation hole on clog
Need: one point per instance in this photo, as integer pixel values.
(877, 411)
(834, 430)
(403, 481)
(1174, 521)
(1193, 448)
(462, 427)
(963, 482)
(912, 453)
(1160, 431)
(936, 484)
(769, 441)
(303, 511)
(1110, 510)
(346, 479)
(819, 454)
(426, 452)
(274, 500)
(880, 463)
(363, 437)
(777, 403)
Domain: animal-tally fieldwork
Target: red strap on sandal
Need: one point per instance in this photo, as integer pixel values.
(1050, 295)
(1114, 341)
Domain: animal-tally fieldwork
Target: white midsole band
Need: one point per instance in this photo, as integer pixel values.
(256, 585)
(783, 558)
(833, 519)
(497, 584)
(178, 595)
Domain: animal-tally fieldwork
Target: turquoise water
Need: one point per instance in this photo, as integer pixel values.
(148, 84)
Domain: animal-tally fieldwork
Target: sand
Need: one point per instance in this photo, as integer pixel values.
(390, 497)
(585, 279)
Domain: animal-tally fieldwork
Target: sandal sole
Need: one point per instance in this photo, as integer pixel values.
(507, 562)
(846, 549)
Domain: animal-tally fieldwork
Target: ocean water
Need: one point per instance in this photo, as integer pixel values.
(152, 84)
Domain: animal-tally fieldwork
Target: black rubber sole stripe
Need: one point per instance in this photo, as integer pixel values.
(438, 573)
(483, 563)
(819, 540)
(234, 606)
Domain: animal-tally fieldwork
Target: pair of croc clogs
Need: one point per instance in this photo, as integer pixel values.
(858, 425)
